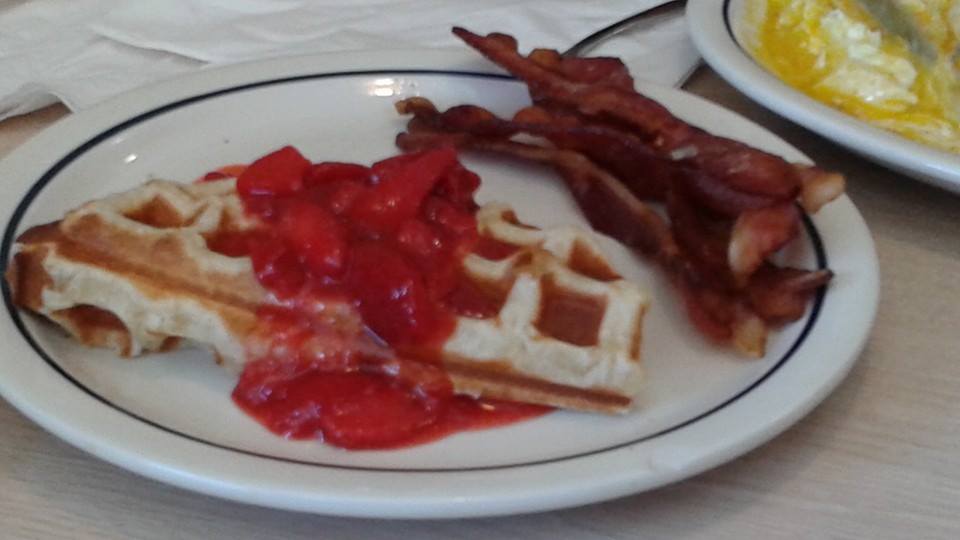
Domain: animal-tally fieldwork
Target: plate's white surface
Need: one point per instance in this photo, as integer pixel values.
(170, 416)
(718, 27)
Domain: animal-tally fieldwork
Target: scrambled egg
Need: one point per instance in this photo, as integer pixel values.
(838, 53)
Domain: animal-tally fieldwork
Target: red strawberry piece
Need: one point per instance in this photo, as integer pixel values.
(442, 212)
(316, 236)
(387, 167)
(361, 411)
(277, 267)
(333, 171)
(458, 186)
(391, 294)
(419, 239)
(336, 196)
(402, 189)
(278, 173)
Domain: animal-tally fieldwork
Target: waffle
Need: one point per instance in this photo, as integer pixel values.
(133, 272)
(568, 332)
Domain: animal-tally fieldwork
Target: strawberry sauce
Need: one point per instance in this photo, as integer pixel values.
(365, 264)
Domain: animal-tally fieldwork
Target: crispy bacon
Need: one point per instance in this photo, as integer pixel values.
(646, 173)
(725, 319)
(703, 241)
(742, 167)
(713, 195)
(819, 188)
(781, 295)
(597, 70)
(729, 206)
(633, 161)
(757, 233)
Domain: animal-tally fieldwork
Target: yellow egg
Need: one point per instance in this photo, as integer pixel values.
(836, 52)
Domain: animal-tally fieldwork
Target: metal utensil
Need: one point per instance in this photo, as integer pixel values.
(646, 19)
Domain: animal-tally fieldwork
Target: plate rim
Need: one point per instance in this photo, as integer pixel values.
(491, 503)
(712, 32)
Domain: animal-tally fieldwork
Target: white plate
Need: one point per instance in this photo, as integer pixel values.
(170, 416)
(718, 27)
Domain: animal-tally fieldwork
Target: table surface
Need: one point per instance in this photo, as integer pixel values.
(879, 458)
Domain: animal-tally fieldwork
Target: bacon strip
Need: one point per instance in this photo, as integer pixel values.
(596, 70)
(781, 295)
(633, 161)
(742, 167)
(644, 172)
(757, 233)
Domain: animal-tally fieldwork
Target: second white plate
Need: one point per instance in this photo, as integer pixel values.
(717, 27)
